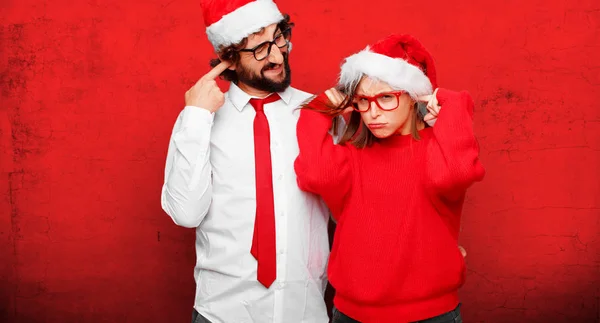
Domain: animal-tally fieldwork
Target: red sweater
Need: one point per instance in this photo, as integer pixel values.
(398, 204)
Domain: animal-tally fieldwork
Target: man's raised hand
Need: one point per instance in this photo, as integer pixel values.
(205, 93)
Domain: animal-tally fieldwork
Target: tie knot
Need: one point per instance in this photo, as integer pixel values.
(258, 104)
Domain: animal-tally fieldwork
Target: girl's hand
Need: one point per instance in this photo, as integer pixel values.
(433, 107)
(336, 98)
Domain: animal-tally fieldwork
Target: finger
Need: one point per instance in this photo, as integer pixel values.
(215, 89)
(463, 252)
(424, 98)
(340, 97)
(202, 81)
(428, 117)
(432, 109)
(216, 71)
(207, 86)
(330, 96)
(435, 96)
(435, 103)
(333, 97)
(337, 93)
(436, 108)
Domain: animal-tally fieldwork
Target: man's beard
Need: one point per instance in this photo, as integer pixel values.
(261, 82)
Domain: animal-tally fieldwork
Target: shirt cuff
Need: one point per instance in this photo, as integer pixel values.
(196, 116)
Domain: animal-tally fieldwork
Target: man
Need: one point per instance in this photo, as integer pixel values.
(261, 243)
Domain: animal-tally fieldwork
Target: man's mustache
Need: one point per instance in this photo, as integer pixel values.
(270, 66)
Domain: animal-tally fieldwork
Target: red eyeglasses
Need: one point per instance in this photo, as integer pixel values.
(386, 101)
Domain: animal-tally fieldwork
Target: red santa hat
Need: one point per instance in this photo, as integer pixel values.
(229, 21)
(399, 60)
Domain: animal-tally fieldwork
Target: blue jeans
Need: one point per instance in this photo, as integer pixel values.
(450, 317)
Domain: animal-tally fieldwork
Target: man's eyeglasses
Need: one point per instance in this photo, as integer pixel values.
(263, 50)
(386, 101)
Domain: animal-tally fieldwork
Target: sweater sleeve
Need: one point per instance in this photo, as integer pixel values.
(322, 167)
(453, 157)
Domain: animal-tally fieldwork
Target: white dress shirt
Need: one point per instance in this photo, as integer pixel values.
(210, 185)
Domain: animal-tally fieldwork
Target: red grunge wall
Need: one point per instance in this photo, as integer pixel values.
(90, 91)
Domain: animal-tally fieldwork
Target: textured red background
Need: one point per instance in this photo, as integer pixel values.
(90, 91)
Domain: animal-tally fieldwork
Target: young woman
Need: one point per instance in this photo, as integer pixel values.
(395, 186)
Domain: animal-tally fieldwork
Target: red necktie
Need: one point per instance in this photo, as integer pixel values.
(263, 241)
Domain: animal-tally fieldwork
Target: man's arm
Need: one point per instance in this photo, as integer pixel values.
(187, 190)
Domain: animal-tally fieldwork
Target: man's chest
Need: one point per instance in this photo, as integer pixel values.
(232, 149)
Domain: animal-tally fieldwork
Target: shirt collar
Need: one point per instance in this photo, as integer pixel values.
(240, 99)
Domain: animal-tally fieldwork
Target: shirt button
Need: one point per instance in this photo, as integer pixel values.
(279, 177)
(281, 251)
